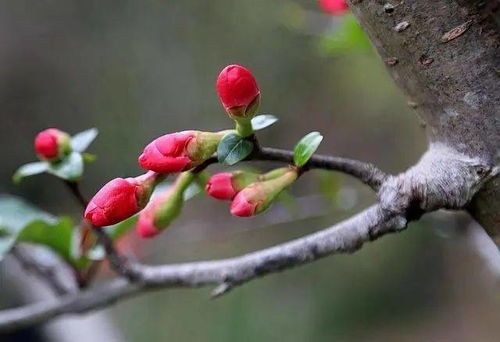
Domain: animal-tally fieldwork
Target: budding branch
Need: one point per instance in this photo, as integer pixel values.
(345, 237)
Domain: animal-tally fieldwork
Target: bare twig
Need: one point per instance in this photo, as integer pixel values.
(46, 273)
(74, 188)
(117, 262)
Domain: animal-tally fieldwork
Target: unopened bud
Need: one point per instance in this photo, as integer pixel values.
(177, 152)
(259, 196)
(238, 91)
(164, 208)
(121, 198)
(52, 144)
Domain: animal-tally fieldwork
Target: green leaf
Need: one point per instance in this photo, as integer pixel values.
(118, 230)
(23, 222)
(82, 140)
(305, 148)
(70, 168)
(30, 169)
(89, 157)
(347, 37)
(233, 148)
(262, 121)
(57, 236)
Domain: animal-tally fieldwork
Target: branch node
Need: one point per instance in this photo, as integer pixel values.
(220, 290)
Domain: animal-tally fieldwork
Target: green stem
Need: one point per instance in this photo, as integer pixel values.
(244, 127)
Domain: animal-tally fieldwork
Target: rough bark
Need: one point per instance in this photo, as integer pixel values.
(445, 55)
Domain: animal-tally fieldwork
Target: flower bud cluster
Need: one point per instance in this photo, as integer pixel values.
(250, 193)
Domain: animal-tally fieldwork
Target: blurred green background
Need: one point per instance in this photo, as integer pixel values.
(140, 69)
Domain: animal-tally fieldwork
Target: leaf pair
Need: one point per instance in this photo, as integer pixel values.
(233, 148)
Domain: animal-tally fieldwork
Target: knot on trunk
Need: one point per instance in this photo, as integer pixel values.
(442, 179)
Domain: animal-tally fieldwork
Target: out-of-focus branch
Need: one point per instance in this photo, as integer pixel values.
(46, 273)
(484, 246)
(345, 237)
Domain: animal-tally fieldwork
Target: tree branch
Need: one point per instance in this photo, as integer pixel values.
(345, 237)
(367, 173)
(45, 273)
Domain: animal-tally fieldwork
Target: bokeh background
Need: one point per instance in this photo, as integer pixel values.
(140, 69)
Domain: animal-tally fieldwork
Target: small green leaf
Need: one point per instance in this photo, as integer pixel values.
(30, 169)
(57, 236)
(262, 121)
(305, 148)
(70, 168)
(118, 230)
(233, 148)
(89, 157)
(82, 140)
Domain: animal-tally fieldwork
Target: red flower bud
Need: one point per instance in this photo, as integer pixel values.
(238, 90)
(177, 152)
(259, 196)
(221, 186)
(51, 144)
(333, 7)
(167, 153)
(247, 201)
(119, 199)
(225, 186)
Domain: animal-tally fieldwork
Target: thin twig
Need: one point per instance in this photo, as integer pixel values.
(74, 188)
(365, 172)
(118, 263)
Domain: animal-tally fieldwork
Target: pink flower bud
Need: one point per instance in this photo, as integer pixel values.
(225, 186)
(259, 196)
(177, 152)
(167, 154)
(164, 208)
(333, 7)
(51, 144)
(119, 199)
(146, 227)
(247, 201)
(238, 90)
(221, 186)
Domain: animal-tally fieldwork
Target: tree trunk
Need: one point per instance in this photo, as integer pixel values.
(445, 55)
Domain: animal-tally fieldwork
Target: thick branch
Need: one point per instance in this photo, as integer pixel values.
(345, 237)
(447, 61)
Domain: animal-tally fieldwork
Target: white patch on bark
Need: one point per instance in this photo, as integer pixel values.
(473, 100)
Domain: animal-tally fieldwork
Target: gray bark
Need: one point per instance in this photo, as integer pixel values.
(445, 56)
